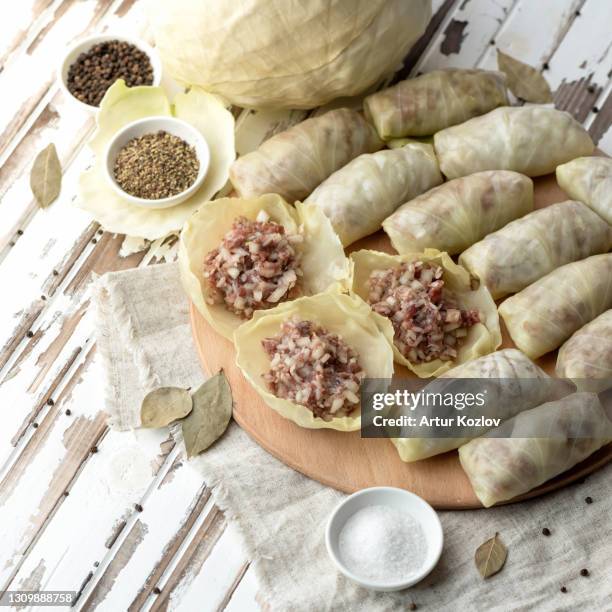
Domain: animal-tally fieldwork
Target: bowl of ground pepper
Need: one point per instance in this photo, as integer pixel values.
(93, 64)
(157, 162)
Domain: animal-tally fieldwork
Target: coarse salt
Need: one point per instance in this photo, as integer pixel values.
(382, 544)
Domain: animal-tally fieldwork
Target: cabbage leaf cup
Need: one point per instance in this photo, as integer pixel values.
(323, 263)
(348, 316)
(482, 338)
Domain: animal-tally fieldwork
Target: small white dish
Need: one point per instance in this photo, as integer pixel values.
(86, 44)
(150, 125)
(401, 500)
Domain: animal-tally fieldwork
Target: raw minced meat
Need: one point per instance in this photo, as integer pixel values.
(256, 266)
(313, 367)
(427, 322)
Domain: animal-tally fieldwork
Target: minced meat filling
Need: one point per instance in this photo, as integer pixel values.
(313, 367)
(428, 324)
(256, 266)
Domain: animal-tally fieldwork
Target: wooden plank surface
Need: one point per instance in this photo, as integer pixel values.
(94, 540)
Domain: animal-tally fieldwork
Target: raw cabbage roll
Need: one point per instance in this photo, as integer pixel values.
(411, 310)
(542, 316)
(434, 101)
(501, 468)
(458, 213)
(321, 263)
(533, 140)
(358, 197)
(346, 316)
(586, 357)
(589, 179)
(514, 389)
(530, 247)
(295, 161)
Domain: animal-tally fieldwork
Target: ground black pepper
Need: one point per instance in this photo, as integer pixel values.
(94, 71)
(155, 166)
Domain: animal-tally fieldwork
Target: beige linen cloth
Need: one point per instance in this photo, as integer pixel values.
(145, 341)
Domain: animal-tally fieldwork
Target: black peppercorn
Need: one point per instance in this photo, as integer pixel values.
(30, 334)
(546, 531)
(138, 507)
(94, 71)
(588, 500)
(564, 589)
(50, 402)
(584, 572)
(94, 449)
(157, 590)
(68, 412)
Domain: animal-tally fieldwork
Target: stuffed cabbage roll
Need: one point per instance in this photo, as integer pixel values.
(518, 384)
(358, 197)
(458, 213)
(532, 140)
(589, 179)
(545, 314)
(534, 245)
(568, 431)
(586, 357)
(434, 101)
(295, 161)
(307, 358)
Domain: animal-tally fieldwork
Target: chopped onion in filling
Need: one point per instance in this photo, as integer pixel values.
(256, 266)
(313, 367)
(428, 324)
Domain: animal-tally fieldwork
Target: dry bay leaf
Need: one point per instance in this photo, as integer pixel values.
(46, 176)
(524, 81)
(490, 556)
(211, 414)
(162, 406)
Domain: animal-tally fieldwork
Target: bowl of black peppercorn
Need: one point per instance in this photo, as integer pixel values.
(93, 65)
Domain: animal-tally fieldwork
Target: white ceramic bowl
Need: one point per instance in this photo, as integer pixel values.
(87, 43)
(151, 125)
(399, 499)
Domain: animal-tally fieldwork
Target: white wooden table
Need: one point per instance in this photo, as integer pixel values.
(116, 516)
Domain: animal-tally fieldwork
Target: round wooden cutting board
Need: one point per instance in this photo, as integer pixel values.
(345, 461)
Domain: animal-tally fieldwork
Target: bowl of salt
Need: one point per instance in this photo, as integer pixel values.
(384, 539)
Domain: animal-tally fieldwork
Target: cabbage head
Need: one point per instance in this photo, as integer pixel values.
(285, 53)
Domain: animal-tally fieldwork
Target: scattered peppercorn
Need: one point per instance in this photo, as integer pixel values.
(43, 298)
(100, 232)
(94, 71)
(20, 232)
(595, 109)
(55, 273)
(157, 590)
(564, 589)
(588, 500)
(155, 166)
(30, 334)
(584, 572)
(546, 531)
(545, 66)
(138, 507)
(66, 493)
(94, 449)
(93, 240)
(68, 412)
(34, 425)
(50, 402)
(96, 563)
